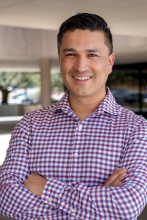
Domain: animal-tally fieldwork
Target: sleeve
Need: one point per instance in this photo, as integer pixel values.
(92, 203)
(15, 200)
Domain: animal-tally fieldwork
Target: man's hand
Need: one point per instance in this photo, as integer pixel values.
(35, 184)
(116, 177)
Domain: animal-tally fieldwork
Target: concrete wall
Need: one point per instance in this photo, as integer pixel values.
(20, 43)
(11, 110)
(3, 218)
(15, 110)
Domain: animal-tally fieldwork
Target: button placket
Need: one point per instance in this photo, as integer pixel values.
(76, 154)
(50, 199)
(73, 210)
(80, 127)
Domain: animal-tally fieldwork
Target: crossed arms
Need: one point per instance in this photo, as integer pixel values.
(25, 196)
(36, 183)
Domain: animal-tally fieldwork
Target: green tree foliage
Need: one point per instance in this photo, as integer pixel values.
(123, 78)
(11, 80)
(56, 81)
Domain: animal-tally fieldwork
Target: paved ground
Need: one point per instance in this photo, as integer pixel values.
(6, 126)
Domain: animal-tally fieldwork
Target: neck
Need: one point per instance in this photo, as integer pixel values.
(84, 106)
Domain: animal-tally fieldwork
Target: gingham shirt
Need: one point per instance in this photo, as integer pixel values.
(76, 157)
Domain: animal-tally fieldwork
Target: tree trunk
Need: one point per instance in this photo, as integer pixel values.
(5, 93)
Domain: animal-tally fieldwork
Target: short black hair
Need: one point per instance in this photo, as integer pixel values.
(86, 21)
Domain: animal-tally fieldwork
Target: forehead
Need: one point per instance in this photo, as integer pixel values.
(83, 34)
(83, 38)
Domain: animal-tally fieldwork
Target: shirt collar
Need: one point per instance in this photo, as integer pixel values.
(63, 104)
(108, 104)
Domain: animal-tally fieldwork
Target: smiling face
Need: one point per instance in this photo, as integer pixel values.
(85, 63)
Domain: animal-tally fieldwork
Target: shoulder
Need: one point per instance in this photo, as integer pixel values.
(40, 114)
(131, 119)
(35, 118)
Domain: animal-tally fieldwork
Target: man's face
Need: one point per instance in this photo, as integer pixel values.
(85, 63)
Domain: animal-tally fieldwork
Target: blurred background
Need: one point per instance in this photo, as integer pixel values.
(29, 69)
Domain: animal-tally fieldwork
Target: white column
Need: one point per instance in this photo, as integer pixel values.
(45, 66)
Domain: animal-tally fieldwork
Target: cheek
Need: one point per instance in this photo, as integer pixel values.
(65, 77)
(66, 67)
(67, 63)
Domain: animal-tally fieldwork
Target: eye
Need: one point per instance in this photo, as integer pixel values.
(70, 54)
(92, 55)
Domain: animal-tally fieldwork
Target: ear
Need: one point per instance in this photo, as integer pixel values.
(111, 62)
(59, 57)
(59, 60)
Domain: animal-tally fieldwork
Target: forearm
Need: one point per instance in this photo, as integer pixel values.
(95, 202)
(16, 201)
(119, 203)
(37, 184)
(124, 202)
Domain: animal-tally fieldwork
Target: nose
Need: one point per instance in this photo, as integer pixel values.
(81, 64)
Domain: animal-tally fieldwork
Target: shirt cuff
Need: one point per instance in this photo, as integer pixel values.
(52, 191)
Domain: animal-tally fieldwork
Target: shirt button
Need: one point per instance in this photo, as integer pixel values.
(50, 199)
(80, 127)
(76, 154)
(73, 210)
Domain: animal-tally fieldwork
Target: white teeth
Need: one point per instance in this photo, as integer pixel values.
(81, 78)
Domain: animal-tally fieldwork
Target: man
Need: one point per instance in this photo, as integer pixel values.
(86, 156)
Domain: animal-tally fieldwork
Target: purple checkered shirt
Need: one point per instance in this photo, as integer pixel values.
(76, 157)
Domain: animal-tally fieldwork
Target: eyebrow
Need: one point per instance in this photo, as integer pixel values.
(87, 50)
(69, 50)
(93, 51)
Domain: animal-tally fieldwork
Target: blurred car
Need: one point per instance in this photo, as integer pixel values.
(144, 98)
(119, 93)
(131, 97)
(135, 97)
(22, 98)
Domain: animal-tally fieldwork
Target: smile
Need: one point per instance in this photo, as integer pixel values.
(82, 78)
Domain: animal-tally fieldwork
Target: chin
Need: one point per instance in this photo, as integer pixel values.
(82, 94)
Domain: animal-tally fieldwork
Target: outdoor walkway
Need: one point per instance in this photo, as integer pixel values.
(6, 126)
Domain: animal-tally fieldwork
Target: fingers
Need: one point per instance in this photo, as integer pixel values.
(117, 182)
(35, 184)
(116, 178)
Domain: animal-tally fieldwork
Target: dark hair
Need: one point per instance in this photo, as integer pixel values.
(86, 21)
